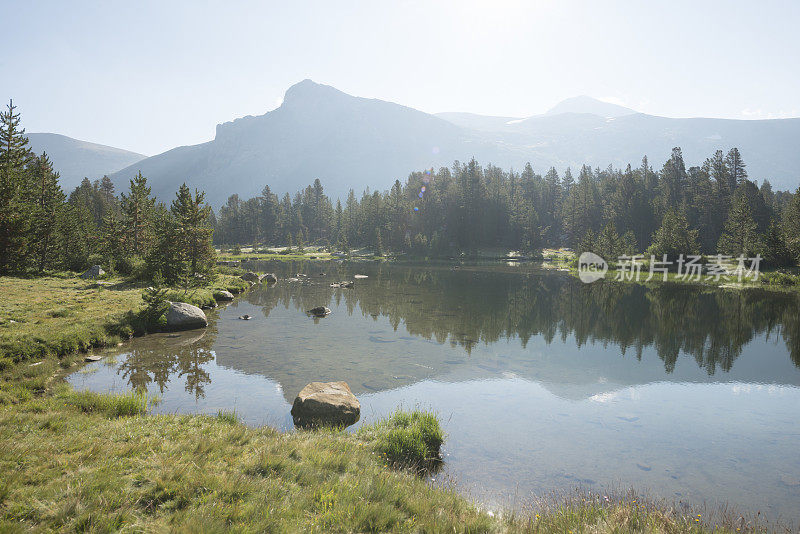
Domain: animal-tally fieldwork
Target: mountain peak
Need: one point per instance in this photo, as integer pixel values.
(587, 104)
(309, 90)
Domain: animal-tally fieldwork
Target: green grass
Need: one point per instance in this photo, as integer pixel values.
(87, 462)
(407, 439)
(46, 323)
(127, 404)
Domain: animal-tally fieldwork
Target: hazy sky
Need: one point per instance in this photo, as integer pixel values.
(149, 76)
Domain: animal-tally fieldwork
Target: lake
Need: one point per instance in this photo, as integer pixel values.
(542, 383)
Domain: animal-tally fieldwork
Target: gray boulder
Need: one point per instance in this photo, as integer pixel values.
(250, 277)
(325, 404)
(223, 296)
(93, 272)
(269, 278)
(183, 316)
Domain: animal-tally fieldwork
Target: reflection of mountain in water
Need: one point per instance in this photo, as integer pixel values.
(578, 340)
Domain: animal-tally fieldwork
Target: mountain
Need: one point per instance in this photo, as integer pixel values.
(75, 159)
(317, 132)
(352, 142)
(587, 104)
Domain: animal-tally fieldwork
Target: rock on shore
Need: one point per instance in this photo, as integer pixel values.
(183, 316)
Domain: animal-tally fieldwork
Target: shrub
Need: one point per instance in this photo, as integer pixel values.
(132, 266)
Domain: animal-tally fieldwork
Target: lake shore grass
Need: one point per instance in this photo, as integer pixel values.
(98, 462)
(770, 280)
(76, 461)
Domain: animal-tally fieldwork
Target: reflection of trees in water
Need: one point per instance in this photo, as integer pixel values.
(468, 306)
(182, 355)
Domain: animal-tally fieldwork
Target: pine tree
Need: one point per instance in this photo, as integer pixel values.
(740, 234)
(78, 233)
(378, 243)
(107, 190)
(608, 244)
(193, 235)
(791, 224)
(674, 237)
(736, 167)
(112, 235)
(776, 251)
(15, 212)
(137, 208)
(48, 201)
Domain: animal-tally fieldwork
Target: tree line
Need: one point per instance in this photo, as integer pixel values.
(713, 208)
(41, 228)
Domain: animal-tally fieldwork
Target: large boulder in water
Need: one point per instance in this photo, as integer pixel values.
(326, 404)
(183, 316)
(269, 278)
(94, 271)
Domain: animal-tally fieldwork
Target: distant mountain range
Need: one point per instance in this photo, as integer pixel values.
(351, 142)
(75, 159)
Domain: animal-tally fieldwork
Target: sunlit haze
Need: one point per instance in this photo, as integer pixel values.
(149, 76)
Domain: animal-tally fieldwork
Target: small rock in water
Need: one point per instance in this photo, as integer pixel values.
(643, 467)
(360, 276)
(245, 317)
(93, 358)
(319, 311)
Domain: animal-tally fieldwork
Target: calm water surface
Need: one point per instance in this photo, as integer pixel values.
(543, 383)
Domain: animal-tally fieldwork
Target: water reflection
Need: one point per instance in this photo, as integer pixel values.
(496, 307)
(544, 383)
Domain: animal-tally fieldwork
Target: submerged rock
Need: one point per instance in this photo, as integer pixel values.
(319, 311)
(93, 272)
(183, 316)
(326, 404)
(269, 278)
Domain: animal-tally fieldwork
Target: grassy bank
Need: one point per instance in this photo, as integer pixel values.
(773, 280)
(88, 462)
(80, 461)
(47, 322)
